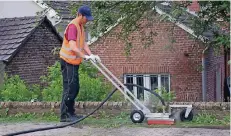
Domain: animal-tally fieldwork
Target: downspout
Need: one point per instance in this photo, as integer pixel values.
(204, 79)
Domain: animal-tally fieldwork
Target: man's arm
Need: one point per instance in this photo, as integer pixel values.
(87, 49)
(75, 49)
(71, 37)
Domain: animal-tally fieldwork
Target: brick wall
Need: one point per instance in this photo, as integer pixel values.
(35, 55)
(182, 61)
(214, 63)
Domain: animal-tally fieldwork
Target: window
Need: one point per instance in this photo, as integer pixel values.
(151, 81)
(154, 82)
(165, 82)
(129, 79)
(140, 91)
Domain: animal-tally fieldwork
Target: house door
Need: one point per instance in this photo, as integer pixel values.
(218, 84)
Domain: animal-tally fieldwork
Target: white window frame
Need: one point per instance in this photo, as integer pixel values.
(146, 81)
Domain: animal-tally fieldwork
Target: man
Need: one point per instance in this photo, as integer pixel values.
(72, 53)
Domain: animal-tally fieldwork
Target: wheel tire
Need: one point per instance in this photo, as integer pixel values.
(182, 116)
(137, 116)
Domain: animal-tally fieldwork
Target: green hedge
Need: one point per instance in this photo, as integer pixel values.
(92, 86)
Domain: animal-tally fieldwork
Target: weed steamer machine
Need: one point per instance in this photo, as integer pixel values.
(141, 112)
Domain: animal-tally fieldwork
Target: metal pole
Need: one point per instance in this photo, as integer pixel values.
(116, 85)
(124, 87)
(144, 109)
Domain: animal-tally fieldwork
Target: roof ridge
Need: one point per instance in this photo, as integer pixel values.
(40, 16)
(33, 20)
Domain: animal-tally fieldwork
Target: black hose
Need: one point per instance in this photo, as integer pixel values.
(62, 126)
(146, 89)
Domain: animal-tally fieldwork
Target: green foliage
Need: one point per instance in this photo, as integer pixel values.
(15, 89)
(92, 86)
(208, 118)
(111, 121)
(53, 80)
(207, 20)
(36, 93)
(34, 117)
(129, 13)
(92, 89)
(167, 96)
(205, 118)
(155, 103)
(126, 13)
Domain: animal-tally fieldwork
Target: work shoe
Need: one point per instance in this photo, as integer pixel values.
(76, 116)
(70, 117)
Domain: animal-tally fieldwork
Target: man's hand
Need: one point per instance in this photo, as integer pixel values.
(97, 58)
(86, 57)
(94, 58)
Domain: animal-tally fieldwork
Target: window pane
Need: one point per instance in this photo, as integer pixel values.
(165, 82)
(154, 82)
(140, 91)
(129, 79)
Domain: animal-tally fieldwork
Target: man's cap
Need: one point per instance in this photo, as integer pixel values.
(86, 11)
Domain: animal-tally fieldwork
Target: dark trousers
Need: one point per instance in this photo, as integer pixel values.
(70, 87)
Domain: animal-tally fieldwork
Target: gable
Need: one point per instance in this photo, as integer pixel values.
(14, 32)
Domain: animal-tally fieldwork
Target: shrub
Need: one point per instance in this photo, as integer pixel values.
(15, 89)
(155, 102)
(92, 86)
(53, 80)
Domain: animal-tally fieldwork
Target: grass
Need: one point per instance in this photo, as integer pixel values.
(32, 117)
(109, 121)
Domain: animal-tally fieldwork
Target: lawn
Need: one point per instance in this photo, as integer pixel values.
(111, 121)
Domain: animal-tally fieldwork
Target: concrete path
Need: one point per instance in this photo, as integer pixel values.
(122, 131)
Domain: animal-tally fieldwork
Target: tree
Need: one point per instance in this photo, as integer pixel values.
(214, 15)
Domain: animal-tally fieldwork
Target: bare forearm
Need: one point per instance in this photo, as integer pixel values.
(75, 49)
(87, 49)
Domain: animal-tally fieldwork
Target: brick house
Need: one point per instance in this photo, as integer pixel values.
(178, 70)
(26, 45)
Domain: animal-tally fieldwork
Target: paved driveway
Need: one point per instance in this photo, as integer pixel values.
(122, 131)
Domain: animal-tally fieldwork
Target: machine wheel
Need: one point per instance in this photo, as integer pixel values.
(182, 116)
(137, 116)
